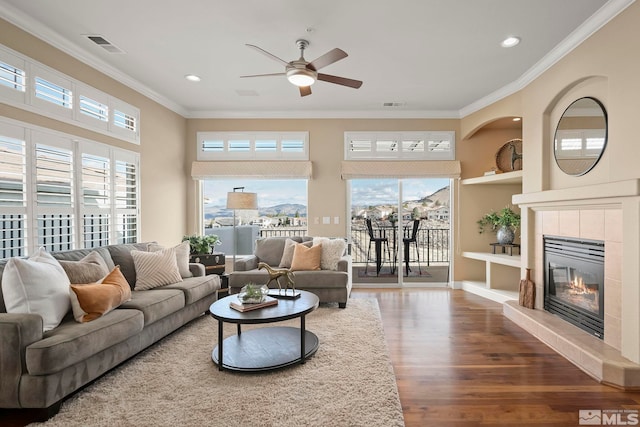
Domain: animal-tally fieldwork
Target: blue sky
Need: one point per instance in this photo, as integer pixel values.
(364, 192)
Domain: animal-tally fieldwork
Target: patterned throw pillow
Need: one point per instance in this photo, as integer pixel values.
(37, 285)
(91, 301)
(155, 269)
(332, 251)
(182, 256)
(305, 258)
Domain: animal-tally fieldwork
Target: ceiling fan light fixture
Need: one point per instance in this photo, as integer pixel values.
(301, 77)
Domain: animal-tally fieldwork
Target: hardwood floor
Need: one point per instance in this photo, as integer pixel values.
(459, 362)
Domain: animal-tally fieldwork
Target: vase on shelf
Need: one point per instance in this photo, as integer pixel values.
(505, 235)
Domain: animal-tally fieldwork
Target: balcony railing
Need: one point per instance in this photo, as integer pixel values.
(433, 243)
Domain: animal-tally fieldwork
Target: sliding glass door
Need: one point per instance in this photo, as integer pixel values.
(400, 231)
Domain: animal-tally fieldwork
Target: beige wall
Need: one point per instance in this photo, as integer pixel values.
(164, 171)
(326, 190)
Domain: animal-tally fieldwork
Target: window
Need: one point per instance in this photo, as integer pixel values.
(84, 194)
(253, 145)
(53, 93)
(12, 77)
(428, 145)
(30, 85)
(93, 108)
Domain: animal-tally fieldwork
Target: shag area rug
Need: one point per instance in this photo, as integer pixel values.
(348, 382)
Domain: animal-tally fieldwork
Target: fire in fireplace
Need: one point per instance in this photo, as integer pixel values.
(574, 281)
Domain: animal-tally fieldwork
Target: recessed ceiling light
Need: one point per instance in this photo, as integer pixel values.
(516, 119)
(192, 78)
(510, 41)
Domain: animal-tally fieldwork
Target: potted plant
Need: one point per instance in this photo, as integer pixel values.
(202, 244)
(504, 223)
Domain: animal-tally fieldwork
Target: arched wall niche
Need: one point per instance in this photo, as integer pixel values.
(590, 86)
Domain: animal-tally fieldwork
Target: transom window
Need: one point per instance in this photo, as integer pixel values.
(30, 85)
(253, 145)
(428, 145)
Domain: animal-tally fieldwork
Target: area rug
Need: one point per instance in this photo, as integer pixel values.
(348, 382)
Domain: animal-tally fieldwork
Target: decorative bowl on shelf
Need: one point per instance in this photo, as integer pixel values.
(252, 293)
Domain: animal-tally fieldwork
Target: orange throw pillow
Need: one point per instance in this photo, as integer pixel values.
(93, 300)
(305, 258)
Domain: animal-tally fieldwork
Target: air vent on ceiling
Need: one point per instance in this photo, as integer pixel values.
(393, 104)
(104, 43)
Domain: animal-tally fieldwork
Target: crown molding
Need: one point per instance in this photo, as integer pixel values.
(596, 21)
(324, 114)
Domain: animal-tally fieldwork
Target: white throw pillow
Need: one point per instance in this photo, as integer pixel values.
(182, 256)
(332, 251)
(37, 285)
(155, 269)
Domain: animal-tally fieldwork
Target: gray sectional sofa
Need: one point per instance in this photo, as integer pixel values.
(328, 285)
(38, 369)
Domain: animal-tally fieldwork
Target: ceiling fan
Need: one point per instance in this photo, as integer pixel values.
(303, 73)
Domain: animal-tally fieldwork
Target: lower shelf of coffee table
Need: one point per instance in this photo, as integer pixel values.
(265, 349)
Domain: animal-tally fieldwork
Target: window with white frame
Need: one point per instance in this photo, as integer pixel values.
(61, 193)
(253, 145)
(579, 143)
(28, 84)
(427, 145)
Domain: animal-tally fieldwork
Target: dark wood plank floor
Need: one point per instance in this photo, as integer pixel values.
(459, 362)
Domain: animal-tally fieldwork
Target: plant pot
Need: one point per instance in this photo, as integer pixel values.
(505, 235)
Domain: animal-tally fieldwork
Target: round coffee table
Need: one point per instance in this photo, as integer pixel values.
(268, 348)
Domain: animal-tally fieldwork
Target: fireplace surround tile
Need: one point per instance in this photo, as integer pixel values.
(613, 225)
(592, 224)
(569, 223)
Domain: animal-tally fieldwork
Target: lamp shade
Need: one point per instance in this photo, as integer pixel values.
(242, 200)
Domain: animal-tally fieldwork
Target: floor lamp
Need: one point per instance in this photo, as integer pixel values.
(239, 200)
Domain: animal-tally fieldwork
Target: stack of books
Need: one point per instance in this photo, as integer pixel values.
(268, 301)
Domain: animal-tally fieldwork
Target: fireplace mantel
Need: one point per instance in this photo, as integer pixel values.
(592, 194)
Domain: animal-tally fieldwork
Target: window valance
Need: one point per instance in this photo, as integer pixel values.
(401, 169)
(255, 169)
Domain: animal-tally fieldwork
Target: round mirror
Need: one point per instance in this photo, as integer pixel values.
(581, 136)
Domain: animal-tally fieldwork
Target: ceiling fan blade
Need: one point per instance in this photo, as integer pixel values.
(305, 90)
(270, 55)
(328, 58)
(264, 75)
(340, 80)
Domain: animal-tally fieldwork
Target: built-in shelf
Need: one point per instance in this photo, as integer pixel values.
(499, 178)
(502, 259)
(497, 295)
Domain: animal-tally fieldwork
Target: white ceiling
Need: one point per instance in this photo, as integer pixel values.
(438, 58)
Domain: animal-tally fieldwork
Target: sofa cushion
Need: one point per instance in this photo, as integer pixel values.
(155, 304)
(72, 342)
(37, 285)
(90, 301)
(287, 253)
(332, 251)
(182, 256)
(305, 258)
(155, 269)
(270, 249)
(196, 288)
(89, 269)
